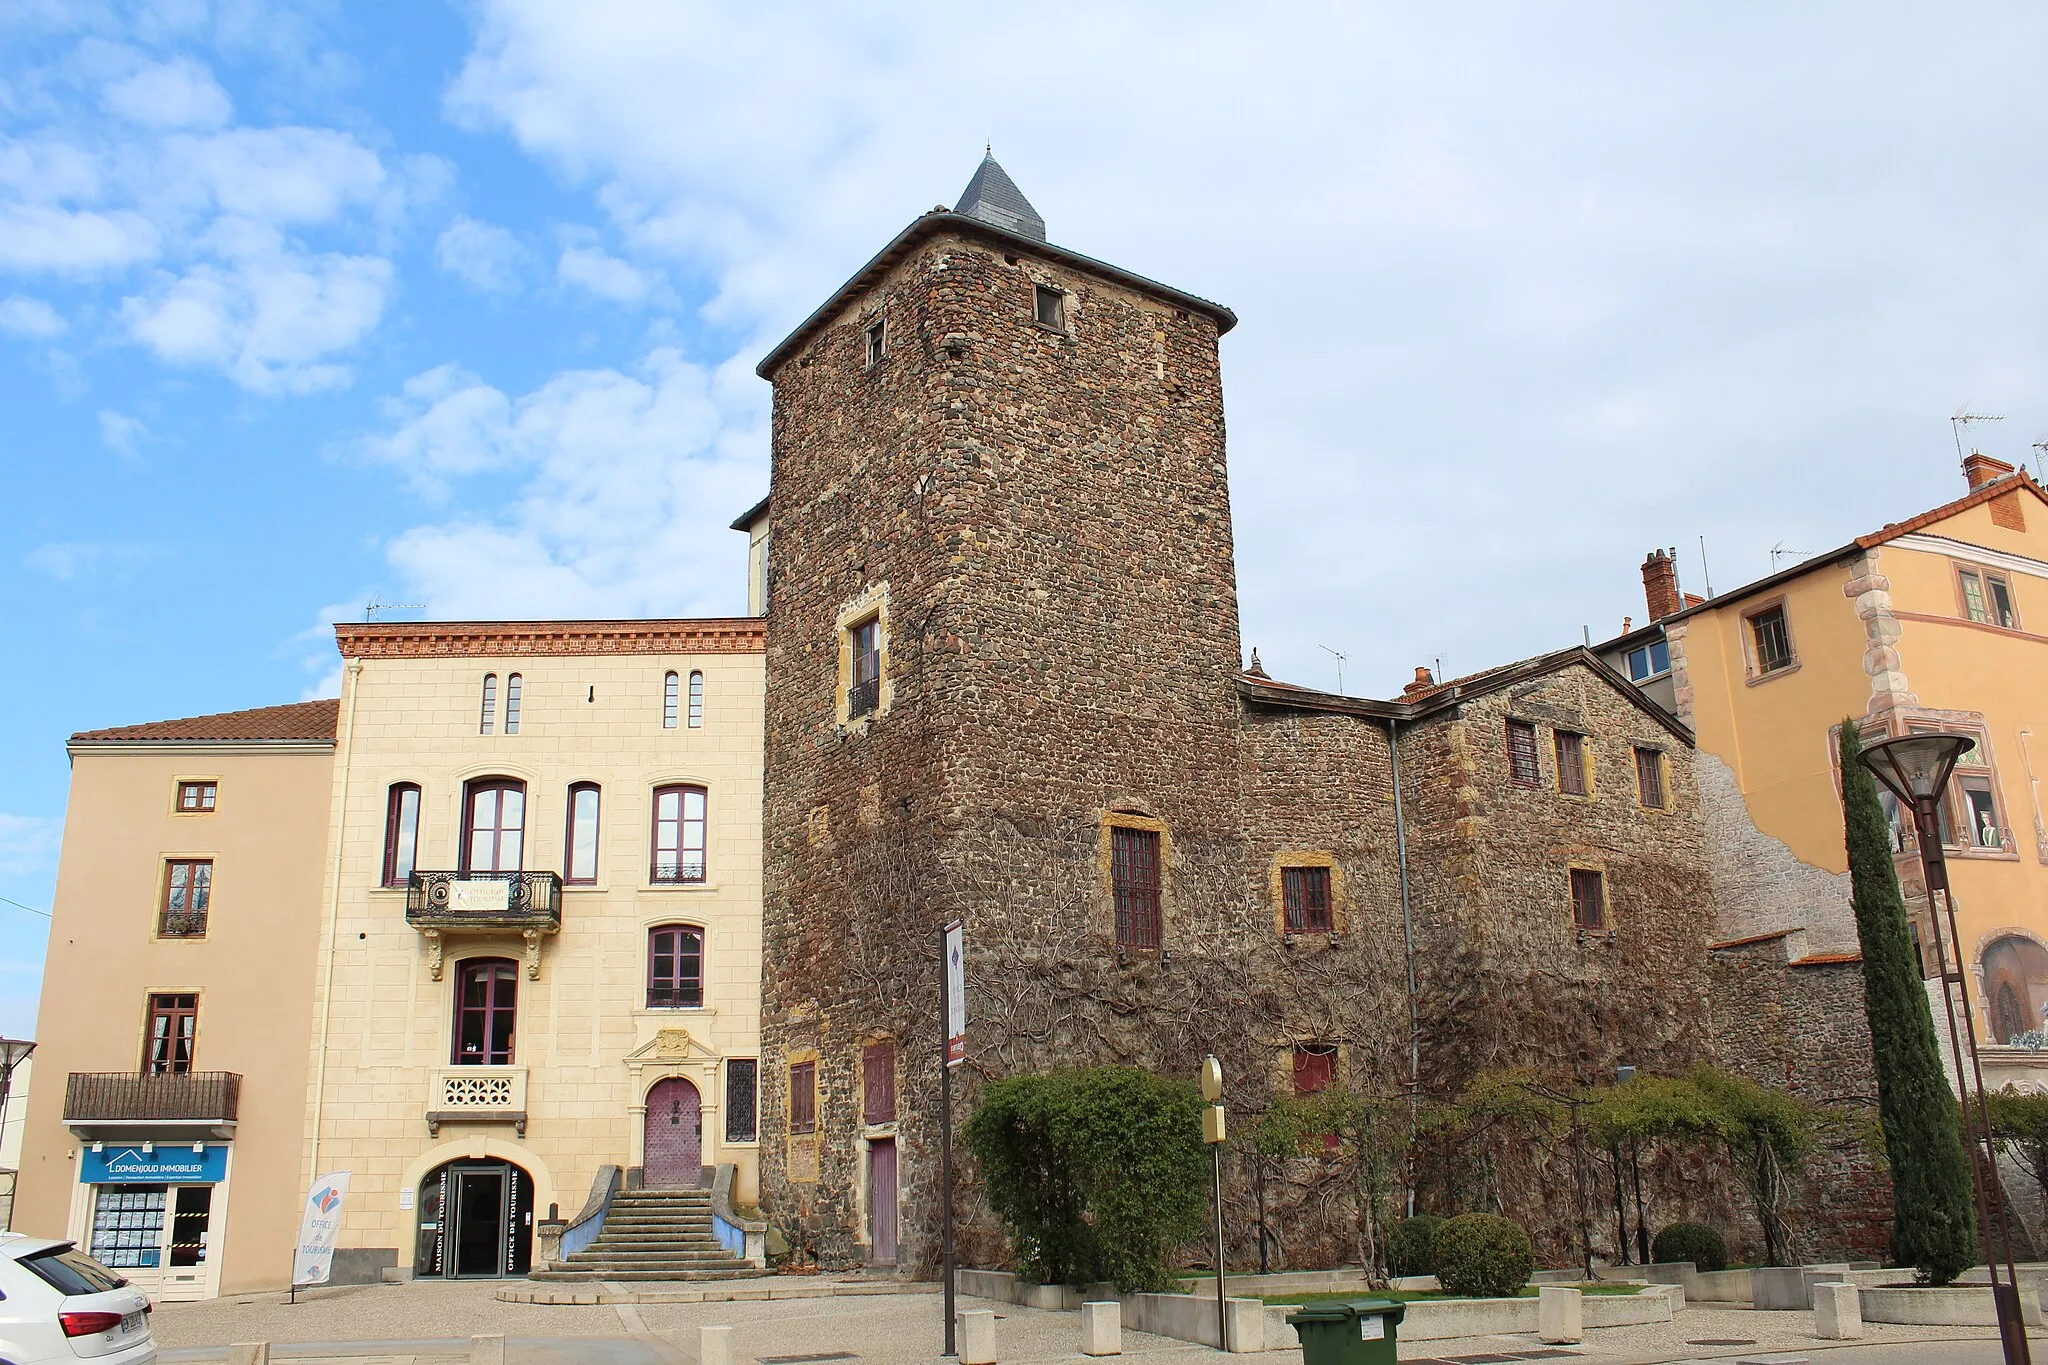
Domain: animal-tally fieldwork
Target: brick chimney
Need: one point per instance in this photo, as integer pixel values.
(1981, 469)
(1660, 585)
(1423, 683)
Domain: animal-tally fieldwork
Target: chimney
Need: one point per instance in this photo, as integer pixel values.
(1660, 585)
(1423, 683)
(1981, 469)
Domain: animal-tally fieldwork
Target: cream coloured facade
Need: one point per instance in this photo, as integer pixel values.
(540, 943)
(164, 1131)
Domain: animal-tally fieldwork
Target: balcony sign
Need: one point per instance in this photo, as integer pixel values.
(479, 897)
(169, 1164)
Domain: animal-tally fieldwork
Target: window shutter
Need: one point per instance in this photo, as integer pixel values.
(878, 1082)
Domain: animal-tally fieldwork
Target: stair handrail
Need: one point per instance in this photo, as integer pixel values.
(746, 1238)
(583, 1229)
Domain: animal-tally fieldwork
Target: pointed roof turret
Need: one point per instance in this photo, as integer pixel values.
(994, 198)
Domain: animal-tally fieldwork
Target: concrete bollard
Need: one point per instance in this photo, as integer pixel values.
(977, 1338)
(1102, 1329)
(249, 1353)
(1837, 1312)
(1779, 1289)
(1560, 1315)
(488, 1350)
(714, 1346)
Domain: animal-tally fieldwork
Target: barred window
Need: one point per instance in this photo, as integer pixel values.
(1134, 885)
(741, 1082)
(1306, 891)
(1522, 767)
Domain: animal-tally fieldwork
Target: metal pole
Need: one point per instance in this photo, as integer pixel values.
(946, 1140)
(1259, 1158)
(2012, 1328)
(1216, 1169)
(2013, 1334)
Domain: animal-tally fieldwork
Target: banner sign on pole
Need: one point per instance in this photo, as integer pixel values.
(314, 1259)
(956, 993)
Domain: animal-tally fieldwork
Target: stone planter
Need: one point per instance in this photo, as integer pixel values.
(1949, 1306)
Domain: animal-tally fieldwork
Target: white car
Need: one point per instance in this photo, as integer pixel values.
(59, 1304)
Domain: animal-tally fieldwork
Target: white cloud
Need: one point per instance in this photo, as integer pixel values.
(278, 175)
(604, 275)
(626, 483)
(67, 561)
(483, 256)
(122, 434)
(179, 93)
(74, 242)
(26, 317)
(28, 843)
(268, 321)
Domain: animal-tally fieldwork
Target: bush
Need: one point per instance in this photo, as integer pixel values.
(1411, 1246)
(1695, 1242)
(1479, 1256)
(1099, 1174)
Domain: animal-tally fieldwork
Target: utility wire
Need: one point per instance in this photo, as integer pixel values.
(30, 908)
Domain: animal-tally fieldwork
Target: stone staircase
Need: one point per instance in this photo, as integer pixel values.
(654, 1235)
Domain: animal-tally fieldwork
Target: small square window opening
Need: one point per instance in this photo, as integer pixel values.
(1050, 308)
(196, 797)
(878, 341)
(1773, 640)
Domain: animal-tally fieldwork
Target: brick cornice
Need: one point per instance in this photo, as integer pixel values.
(497, 639)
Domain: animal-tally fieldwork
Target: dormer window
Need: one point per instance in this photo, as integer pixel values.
(1050, 308)
(878, 341)
(1649, 661)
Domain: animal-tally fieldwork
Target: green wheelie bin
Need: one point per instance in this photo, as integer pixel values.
(1361, 1332)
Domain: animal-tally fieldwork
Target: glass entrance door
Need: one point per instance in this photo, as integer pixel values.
(479, 1222)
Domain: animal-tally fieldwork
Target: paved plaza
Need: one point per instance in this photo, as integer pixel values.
(433, 1320)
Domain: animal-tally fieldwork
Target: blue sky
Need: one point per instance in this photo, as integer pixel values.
(302, 305)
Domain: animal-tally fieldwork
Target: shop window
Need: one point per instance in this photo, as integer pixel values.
(1571, 762)
(127, 1229)
(401, 833)
(1134, 886)
(803, 1097)
(878, 1082)
(1305, 892)
(742, 1079)
(188, 892)
(579, 863)
(486, 1012)
(493, 825)
(173, 1033)
(675, 967)
(1522, 766)
(197, 798)
(679, 834)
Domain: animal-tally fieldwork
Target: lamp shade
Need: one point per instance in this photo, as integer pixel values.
(1916, 767)
(14, 1051)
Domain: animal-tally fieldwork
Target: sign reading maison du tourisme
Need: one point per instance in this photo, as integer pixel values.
(314, 1259)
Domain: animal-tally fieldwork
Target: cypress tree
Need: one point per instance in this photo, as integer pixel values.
(1934, 1224)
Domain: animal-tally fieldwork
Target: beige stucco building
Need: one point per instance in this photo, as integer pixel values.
(539, 948)
(164, 1131)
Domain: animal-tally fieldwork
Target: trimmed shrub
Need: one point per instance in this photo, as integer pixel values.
(1411, 1246)
(1479, 1256)
(1695, 1242)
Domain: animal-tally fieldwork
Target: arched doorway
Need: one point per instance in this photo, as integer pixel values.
(475, 1221)
(674, 1149)
(2015, 985)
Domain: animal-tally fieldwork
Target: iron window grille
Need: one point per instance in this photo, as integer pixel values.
(1773, 640)
(1523, 769)
(1306, 893)
(1134, 886)
(742, 1081)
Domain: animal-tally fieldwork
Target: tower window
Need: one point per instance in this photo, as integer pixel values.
(1306, 892)
(1050, 308)
(488, 716)
(669, 691)
(865, 692)
(696, 701)
(803, 1097)
(1134, 886)
(878, 341)
(512, 703)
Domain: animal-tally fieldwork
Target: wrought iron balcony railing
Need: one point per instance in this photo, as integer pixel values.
(174, 1097)
(862, 698)
(484, 900)
(675, 997)
(169, 925)
(668, 871)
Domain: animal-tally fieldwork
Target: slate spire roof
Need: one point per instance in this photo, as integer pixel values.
(994, 198)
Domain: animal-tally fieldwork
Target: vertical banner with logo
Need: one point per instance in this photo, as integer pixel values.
(314, 1260)
(956, 993)
(953, 1018)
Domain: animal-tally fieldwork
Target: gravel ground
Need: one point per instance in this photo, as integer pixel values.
(431, 1320)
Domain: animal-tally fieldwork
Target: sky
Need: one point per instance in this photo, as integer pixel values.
(456, 307)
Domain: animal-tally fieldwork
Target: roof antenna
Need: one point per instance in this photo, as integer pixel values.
(1963, 417)
(1706, 574)
(1779, 552)
(373, 606)
(1340, 665)
(2039, 447)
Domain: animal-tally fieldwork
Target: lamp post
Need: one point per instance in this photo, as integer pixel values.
(1916, 769)
(13, 1052)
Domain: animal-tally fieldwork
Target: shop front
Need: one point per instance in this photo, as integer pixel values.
(153, 1211)
(475, 1221)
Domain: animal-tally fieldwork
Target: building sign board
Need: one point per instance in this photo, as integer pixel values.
(481, 897)
(167, 1164)
(956, 993)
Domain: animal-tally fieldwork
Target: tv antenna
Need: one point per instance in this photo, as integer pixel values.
(1963, 417)
(373, 606)
(2040, 448)
(1340, 657)
(1779, 552)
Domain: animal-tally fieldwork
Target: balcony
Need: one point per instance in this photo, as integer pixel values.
(123, 1105)
(862, 698)
(477, 1094)
(525, 903)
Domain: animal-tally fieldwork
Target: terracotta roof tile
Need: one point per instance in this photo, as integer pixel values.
(1825, 959)
(1996, 488)
(302, 721)
(1745, 942)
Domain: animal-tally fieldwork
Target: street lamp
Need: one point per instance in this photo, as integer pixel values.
(1916, 769)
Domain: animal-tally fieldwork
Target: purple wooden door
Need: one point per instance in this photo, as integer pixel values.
(675, 1141)
(882, 1199)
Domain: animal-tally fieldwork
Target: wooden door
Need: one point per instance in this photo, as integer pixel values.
(882, 1200)
(674, 1130)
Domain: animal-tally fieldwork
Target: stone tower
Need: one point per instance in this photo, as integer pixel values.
(1002, 653)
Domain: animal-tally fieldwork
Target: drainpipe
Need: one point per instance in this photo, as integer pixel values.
(1408, 946)
(351, 683)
